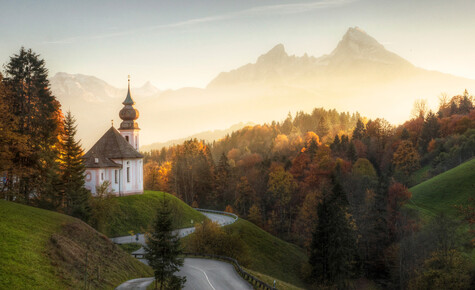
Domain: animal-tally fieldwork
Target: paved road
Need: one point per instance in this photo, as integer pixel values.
(204, 274)
(140, 283)
(221, 219)
(200, 273)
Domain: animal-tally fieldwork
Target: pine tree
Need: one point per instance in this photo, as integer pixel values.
(222, 182)
(351, 153)
(430, 130)
(245, 197)
(38, 118)
(359, 132)
(163, 250)
(11, 143)
(75, 196)
(323, 128)
(405, 134)
(333, 247)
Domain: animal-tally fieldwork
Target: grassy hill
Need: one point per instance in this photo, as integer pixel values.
(442, 192)
(264, 253)
(137, 212)
(42, 249)
(270, 255)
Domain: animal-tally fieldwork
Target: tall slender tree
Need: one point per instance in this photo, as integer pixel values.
(163, 250)
(75, 197)
(333, 247)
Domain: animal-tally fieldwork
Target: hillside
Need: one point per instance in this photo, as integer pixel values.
(270, 255)
(137, 212)
(442, 192)
(266, 254)
(46, 250)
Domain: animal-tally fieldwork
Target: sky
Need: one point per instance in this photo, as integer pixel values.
(181, 43)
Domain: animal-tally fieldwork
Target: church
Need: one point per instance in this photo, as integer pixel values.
(115, 157)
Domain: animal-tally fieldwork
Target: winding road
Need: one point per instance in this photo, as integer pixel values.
(200, 273)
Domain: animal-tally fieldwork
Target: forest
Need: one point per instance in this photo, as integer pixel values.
(326, 176)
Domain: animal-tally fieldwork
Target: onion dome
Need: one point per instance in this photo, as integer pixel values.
(128, 113)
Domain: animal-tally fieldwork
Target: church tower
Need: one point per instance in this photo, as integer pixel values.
(129, 129)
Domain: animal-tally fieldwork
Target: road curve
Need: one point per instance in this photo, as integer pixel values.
(200, 273)
(205, 274)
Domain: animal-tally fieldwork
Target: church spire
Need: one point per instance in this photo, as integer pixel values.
(128, 100)
(128, 114)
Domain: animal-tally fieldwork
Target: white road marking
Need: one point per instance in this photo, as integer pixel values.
(205, 276)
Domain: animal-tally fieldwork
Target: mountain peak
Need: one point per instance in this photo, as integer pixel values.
(356, 44)
(275, 55)
(356, 39)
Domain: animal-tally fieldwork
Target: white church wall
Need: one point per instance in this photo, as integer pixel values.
(132, 136)
(134, 184)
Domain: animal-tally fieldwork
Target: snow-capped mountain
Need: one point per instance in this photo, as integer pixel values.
(92, 89)
(87, 88)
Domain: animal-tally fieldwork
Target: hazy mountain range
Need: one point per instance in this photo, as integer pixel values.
(358, 75)
(208, 136)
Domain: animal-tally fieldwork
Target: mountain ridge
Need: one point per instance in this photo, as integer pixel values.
(359, 74)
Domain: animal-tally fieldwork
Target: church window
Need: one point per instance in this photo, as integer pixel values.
(102, 175)
(127, 138)
(115, 175)
(136, 143)
(128, 174)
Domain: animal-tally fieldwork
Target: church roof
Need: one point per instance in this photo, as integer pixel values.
(111, 146)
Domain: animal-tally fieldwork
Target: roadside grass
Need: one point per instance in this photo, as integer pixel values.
(270, 281)
(265, 253)
(129, 248)
(270, 255)
(136, 213)
(42, 249)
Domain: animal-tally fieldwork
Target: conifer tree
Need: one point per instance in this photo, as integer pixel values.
(359, 132)
(430, 130)
(75, 196)
(163, 250)
(38, 118)
(11, 143)
(351, 153)
(222, 182)
(333, 247)
(323, 128)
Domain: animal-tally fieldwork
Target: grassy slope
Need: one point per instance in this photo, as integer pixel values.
(137, 212)
(270, 281)
(45, 250)
(442, 192)
(269, 255)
